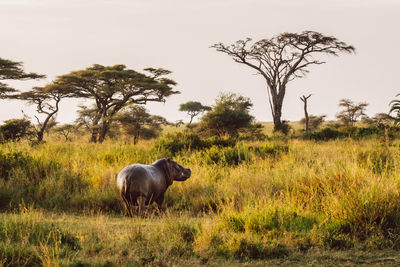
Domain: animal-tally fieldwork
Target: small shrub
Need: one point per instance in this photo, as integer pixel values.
(13, 160)
(210, 242)
(379, 160)
(336, 235)
(244, 247)
(172, 144)
(304, 243)
(15, 129)
(220, 142)
(266, 219)
(235, 222)
(270, 149)
(284, 128)
(11, 255)
(226, 156)
(366, 132)
(181, 237)
(324, 135)
(36, 233)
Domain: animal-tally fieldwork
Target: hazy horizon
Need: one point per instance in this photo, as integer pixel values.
(59, 36)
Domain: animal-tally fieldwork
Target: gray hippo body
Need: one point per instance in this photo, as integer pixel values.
(142, 185)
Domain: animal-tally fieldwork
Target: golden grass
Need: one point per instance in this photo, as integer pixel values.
(341, 194)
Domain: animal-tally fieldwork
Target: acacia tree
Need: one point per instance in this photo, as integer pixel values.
(229, 116)
(137, 122)
(47, 101)
(193, 108)
(378, 119)
(114, 87)
(314, 122)
(395, 108)
(86, 117)
(281, 59)
(351, 112)
(65, 130)
(10, 70)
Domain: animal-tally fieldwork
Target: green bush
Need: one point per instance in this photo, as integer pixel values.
(43, 183)
(226, 156)
(173, 143)
(324, 135)
(337, 235)
(267, 219)
(18, 256)
(270, 149)
(36, 233)
(243, 247)
(220, 142)
(352, 132)
(16, 160)
(15, 129)
(379, 160)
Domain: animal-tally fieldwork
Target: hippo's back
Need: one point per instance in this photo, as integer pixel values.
(138, 179)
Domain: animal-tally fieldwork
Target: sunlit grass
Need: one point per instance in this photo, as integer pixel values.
(253, 201)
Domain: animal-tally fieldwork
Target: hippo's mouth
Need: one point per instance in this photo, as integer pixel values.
(187, 174)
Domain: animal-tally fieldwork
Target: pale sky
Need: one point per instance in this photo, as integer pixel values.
(54, 37)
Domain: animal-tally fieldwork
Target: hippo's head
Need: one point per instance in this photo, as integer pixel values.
(176, 172)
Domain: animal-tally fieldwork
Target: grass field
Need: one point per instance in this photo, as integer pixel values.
(279, 202)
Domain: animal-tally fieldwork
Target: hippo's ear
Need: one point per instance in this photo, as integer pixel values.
(168, 172)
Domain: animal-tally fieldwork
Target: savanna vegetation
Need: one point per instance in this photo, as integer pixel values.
(282, 200)
(281, 193)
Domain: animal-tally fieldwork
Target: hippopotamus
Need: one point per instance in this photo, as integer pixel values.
(142, 185)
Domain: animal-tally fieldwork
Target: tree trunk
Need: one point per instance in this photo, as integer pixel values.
(93, 138)
(40, 133)
(191, 119)
(304, 99)
(277, 96)
(95, 130)
(40, 136)
(277, 120)
(277, 113)
(135, 139)
(306, 116)
(103, 131)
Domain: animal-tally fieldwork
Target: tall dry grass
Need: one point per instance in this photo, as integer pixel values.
(254, 200)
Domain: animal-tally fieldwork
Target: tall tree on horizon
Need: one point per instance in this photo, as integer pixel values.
(193, 109)
(229, 116)
(281, 59)
(138, 123)
(351, 111)
(11, 70)
(114, 87)
(47, 100)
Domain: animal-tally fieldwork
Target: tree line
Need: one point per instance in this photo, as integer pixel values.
(118, 92)
(112, 88)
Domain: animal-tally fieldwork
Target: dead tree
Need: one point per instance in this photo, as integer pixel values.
(304, 99)
(283, 58)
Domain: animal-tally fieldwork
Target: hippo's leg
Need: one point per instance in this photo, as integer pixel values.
(127, 208)
(141, 202)
(127, 205)
(159, 201)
